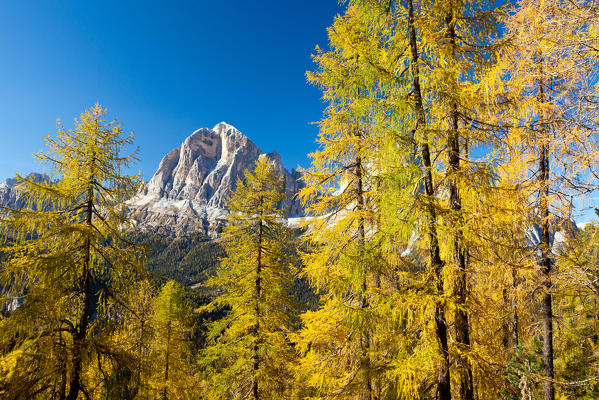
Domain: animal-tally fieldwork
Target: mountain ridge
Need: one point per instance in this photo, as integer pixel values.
(191, 186)
(190, 189)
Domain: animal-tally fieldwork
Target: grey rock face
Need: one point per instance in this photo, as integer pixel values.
(10, 196)
(192, 185)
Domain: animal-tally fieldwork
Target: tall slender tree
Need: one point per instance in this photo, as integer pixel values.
(445, 48)
(549, 71)
(68, 246)
(249, 354)
(342, 341)
(436, 264)
(172, 375)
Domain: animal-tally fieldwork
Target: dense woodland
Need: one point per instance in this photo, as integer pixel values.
(440, 258)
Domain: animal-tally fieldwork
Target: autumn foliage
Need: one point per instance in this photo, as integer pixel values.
(458, 143)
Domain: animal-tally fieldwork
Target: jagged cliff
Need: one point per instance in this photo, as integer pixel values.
(190, 189)
(10, 196)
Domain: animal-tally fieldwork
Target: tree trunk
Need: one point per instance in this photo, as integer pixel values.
(510, 324)
(62, 367)
(81, 332)
(365, 334)
(167, 356)
(545, 261)
(140, 355)
(547, 311)
(515, 322)
(257, 294)
(459, 251)
(443, 377)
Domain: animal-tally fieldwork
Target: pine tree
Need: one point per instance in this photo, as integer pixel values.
(248, 353)
(68, 250)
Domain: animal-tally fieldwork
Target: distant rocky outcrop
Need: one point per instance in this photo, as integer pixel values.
(189, 191)
(192, 185)
(10, 196)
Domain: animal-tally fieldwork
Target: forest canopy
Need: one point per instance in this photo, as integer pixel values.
(440, 258)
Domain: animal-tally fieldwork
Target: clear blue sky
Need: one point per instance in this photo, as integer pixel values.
(164, 68)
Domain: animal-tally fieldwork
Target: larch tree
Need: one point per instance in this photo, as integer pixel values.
(127, 368)
(147, 353)
(68, 252)
(430, 60)
(449, 46)
(551, 75)
(337, 341)
(171, 372)
(248, 353)
(463, 49)
(422, 137)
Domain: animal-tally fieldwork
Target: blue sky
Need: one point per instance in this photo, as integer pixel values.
(164, 68)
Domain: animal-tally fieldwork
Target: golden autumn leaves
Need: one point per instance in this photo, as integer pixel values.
(456, 137)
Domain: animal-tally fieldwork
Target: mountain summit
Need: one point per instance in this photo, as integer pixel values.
(190, 189)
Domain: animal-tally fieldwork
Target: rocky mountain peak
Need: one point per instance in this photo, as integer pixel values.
(10, 196)
(191, 187)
